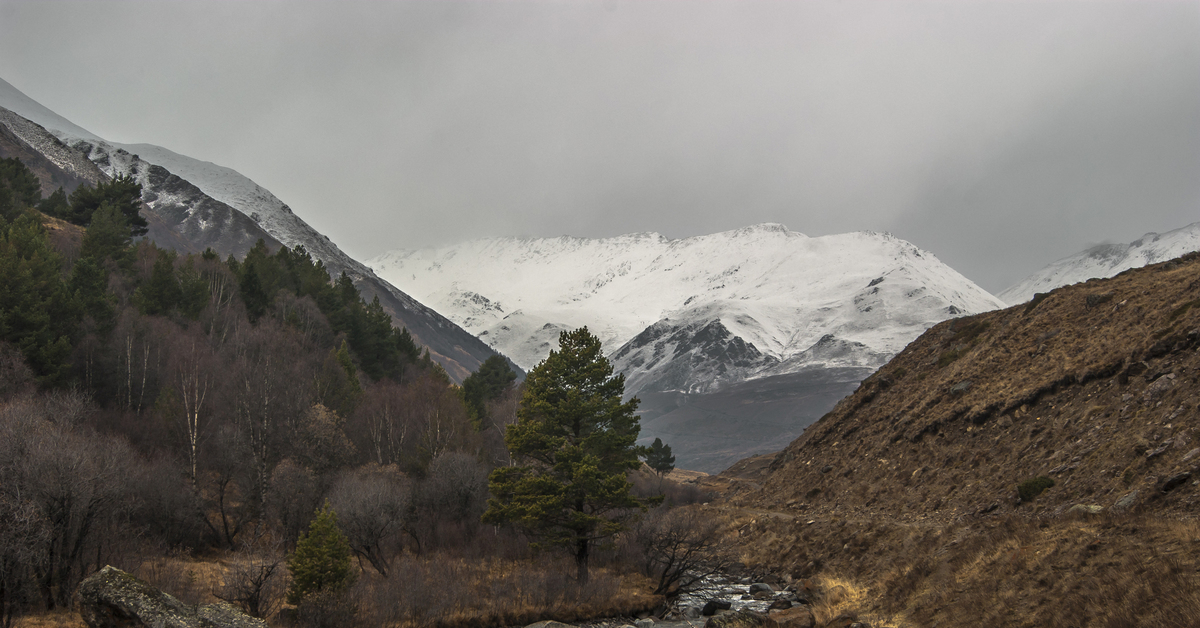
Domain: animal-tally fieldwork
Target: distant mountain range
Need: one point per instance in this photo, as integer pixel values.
(1106, 260)
(695, 314)
(192, 204)
(734, 341)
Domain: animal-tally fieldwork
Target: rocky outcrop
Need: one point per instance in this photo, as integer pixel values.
(111, 598)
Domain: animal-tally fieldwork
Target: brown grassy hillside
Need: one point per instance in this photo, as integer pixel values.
(910, 485)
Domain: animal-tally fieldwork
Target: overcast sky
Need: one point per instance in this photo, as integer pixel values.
(998, 135)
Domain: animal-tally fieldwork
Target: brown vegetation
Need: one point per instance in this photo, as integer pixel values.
(1085, 400)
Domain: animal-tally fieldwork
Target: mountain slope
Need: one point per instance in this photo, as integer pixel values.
(200, 204)
(696, 313)
(1106, 260)
(910, 490)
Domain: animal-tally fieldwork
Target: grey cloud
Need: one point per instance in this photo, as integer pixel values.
(998, 135)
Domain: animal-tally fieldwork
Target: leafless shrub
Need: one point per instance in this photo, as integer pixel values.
(255, 579)
(675, 548)
(372, 504)
(292, 499)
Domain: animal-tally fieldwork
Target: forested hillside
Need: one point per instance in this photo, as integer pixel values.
(187, 418)
(154, 402)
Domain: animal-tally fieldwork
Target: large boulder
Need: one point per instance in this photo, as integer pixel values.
(111, 598)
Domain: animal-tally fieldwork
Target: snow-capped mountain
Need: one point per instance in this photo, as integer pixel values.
(197, 204)
(1106, 260)
(697, 313)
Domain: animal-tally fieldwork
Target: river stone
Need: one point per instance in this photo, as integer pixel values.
(740, 619)
(549, 623)
(111, 598)
(798, 617)
(644, 623)
(759, 587)
(712, 606)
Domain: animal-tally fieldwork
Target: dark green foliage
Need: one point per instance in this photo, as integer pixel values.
(574, 446)
(489, 382)
(381, 349)
(338, 387)
(37, 311)
(107, 237)
(660, 458)
(122, 194)
(1031, 488)
(162, 293)
(19, 188)
(253, 293)
(89, 284)
(321, 562)
(55, 205)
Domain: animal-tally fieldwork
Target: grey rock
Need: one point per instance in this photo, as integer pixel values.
(644, 623)
(1087, 509)
(961, 387)
(1126, 502)
(549, 623)
(111, 598)
(759, 587)
(691, 612)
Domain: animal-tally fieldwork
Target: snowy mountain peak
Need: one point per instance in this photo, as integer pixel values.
(1106, 260)
(691, 313)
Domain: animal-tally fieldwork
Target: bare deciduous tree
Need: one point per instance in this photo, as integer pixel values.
(372, 503)
(676, 548)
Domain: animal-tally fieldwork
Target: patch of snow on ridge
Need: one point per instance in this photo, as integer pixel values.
(1106, 260)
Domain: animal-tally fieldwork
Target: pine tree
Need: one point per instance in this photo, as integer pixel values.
(484, 385)
(122, 194)
(321, 562)
(574, 440)
(660, 458)
(107, 237)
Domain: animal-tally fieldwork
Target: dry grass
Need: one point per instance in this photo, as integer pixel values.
(1105, 570)
(844, 597)
(438, 591)
(56, 619)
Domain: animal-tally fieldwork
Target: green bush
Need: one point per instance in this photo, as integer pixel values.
(1033, 487)
(321, 562)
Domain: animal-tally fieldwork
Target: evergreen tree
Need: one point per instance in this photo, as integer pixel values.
(107, 237)
(56, 205)
(660, 458)
(23, 183)
(574, 445)
(321, 562)
(122, 193)
(89, 284)
(37, 312)
(162, 293)
(253, 294)
(484, 385)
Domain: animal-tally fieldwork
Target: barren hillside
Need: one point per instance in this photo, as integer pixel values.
(910, 485)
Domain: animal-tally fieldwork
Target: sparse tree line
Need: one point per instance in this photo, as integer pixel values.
(153, 402)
